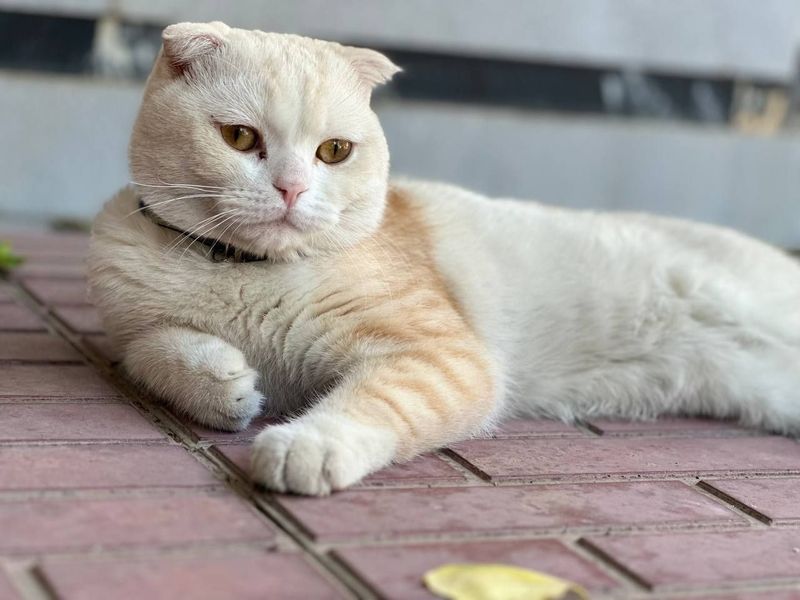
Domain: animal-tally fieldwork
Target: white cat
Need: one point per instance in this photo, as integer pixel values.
(263, 250)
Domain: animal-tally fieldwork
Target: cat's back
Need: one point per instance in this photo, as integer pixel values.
(522, 262)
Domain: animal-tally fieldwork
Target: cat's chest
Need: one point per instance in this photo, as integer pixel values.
(289, 322)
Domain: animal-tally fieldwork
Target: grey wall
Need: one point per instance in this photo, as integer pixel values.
(64, 138)
(755, 37)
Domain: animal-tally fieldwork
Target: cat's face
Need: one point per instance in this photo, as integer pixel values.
(265, 141)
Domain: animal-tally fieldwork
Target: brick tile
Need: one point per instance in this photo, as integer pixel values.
(248, 576)
(7, 591)
(57, 291)
(775, 498)
(82, 524)
(684, 560)
(101, 344)
(533, 459)
(536, 428)
(673, 426)
(81, 319)
(748, 595)
(5, 293)
(38, 267)
(99, 466)
(61, 381)
(236, 437)
(396, 572)
(47, 243)
(15, 317)
(380, 513)
(79, 421)
(236, 454)
(36, 347)
(425, 469)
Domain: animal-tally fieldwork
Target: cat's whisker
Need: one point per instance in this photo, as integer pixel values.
(209, 229)
(168, 200)
(192, 234)
(221, 236)
(174, 185)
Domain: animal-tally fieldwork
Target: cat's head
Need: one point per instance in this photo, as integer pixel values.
(263, 140)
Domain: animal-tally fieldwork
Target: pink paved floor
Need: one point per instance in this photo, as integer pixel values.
(105, 495)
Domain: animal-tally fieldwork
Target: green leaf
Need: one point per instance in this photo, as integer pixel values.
(8, 259)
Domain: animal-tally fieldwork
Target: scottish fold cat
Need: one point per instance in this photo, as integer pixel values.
(264, 262)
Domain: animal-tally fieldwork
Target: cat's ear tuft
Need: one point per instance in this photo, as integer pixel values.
(373, 67)
(184, 43)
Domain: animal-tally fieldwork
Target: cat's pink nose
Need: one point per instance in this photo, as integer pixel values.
(290, 192)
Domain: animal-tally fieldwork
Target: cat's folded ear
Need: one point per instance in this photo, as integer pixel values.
(185, 43)
(373, 67)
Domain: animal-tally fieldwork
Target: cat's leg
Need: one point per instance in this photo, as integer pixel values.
(392, 408)
(198, 374)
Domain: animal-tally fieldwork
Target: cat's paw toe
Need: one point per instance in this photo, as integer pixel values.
(234, 402)
(293, 458)
(304, 458)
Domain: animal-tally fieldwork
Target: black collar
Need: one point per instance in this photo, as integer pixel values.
(219, 251)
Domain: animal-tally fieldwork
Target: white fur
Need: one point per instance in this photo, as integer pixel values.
(628, 315)
(584, 314)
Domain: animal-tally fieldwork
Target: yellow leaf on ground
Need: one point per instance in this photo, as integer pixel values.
(498, 582)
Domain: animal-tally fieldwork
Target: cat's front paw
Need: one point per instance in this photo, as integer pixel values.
(236, 402)
(230, 388)
(318, 454)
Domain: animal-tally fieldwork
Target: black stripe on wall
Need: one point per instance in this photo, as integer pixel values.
(64, 45)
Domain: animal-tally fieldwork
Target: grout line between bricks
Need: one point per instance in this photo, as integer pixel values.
(634, 578)
(524, 534)
(174, 429)
(28, 582)
(732, 503)
(472, 476)
(628, 585)
(633, 476)
(137, 552)
(467, 466)
(294, 529)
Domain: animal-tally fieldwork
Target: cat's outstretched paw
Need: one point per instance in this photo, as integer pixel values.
(318, 454)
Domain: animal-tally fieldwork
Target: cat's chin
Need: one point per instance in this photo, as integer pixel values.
(280, 241)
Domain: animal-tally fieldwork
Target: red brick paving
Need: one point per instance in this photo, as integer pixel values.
(671, 426)
(62, 467)
(244, 577)
(14, 317)
(776, 499)
(75, 524)
(6, 295)
(57, 292)
(106, 498)
(78, 422)
(101, 345)
(684, 560)
(534, 459)
(769, 595)
(57, 381)
(534, 428)
(7, 592)
(47, 267)
(81, 319)
(395, 570)
(380, 514)
(36, 347)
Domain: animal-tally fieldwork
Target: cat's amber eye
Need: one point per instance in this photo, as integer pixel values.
(240, 137)
(334, 150)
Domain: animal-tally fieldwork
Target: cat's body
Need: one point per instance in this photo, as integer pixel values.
(439, 314)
